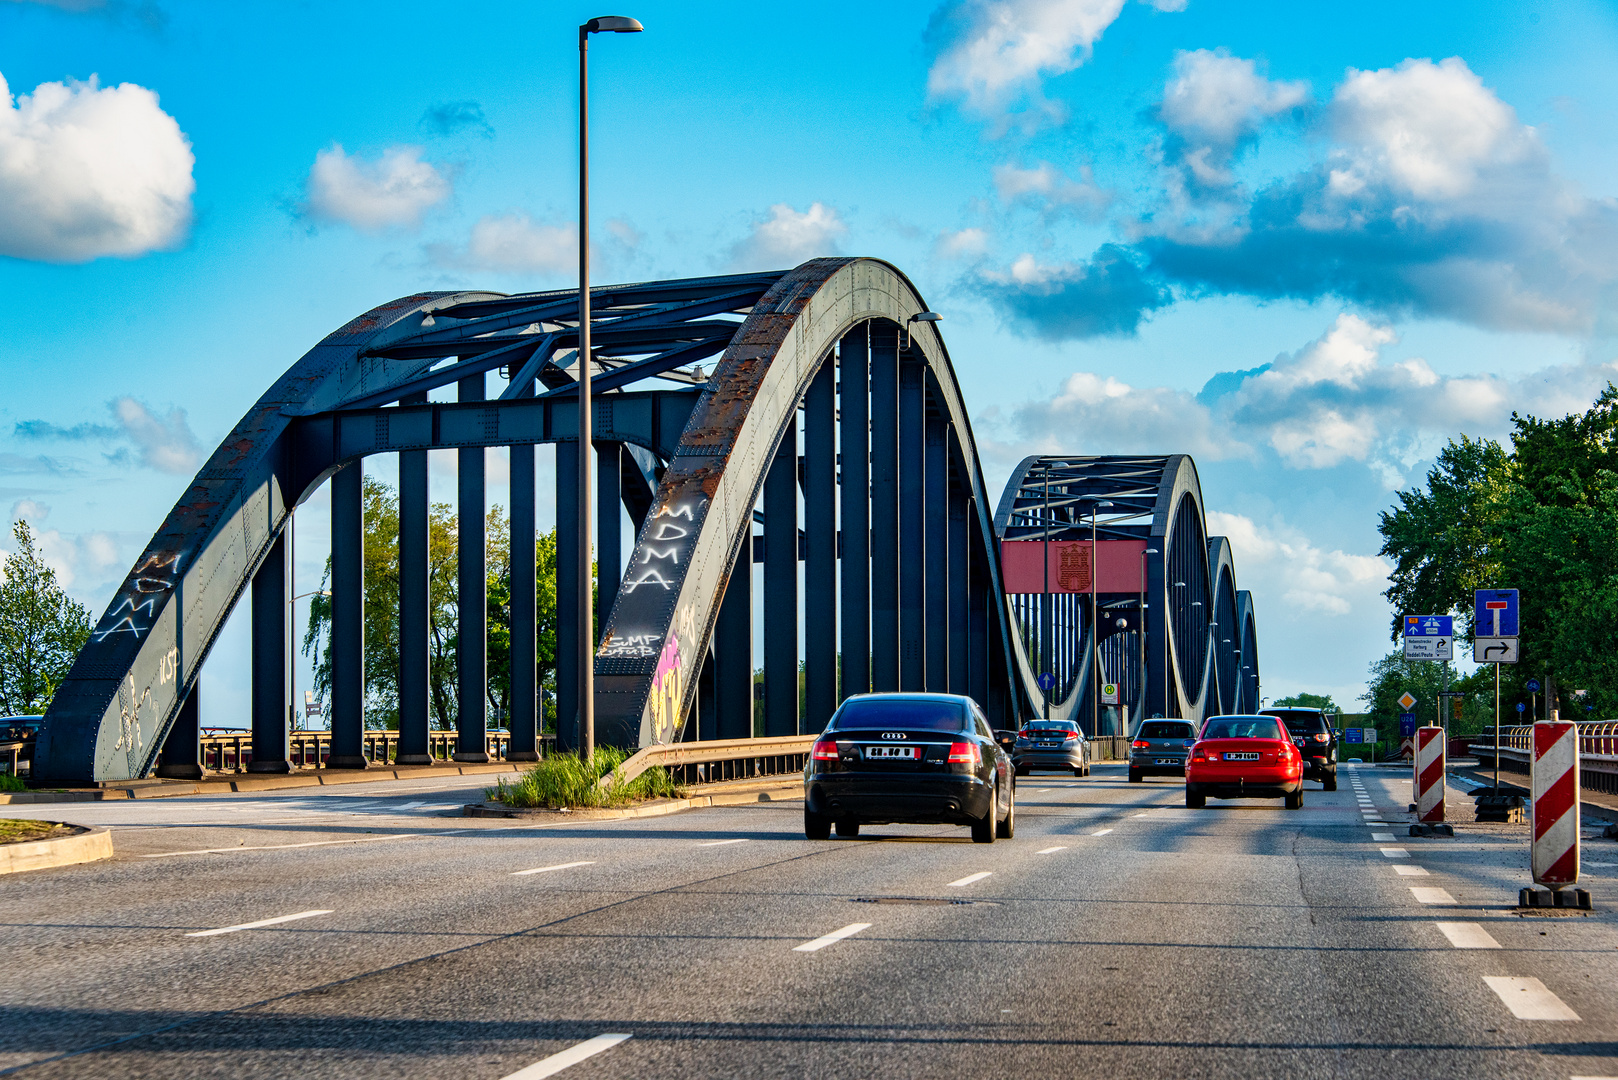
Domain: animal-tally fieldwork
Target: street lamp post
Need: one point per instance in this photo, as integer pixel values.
(606, 24)
(1095, 630)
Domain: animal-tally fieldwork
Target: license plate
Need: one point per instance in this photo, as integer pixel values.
(1167, 761)
(910, 753)
(1241, 757)
(1048, 745)
(1298, 739)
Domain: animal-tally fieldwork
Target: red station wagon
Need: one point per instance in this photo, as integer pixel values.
(1244, 757)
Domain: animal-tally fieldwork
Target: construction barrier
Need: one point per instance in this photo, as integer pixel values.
(1429, 778)
(1555, 813)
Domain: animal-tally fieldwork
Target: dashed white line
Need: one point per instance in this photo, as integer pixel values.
(411, 805)
(1468, 935)
(1101, 832)
(1381, 836)
(1529, 999)
(1431, 895)
(548, 869)
(969, 879)
(720, 843)
(1407, 870)
(832, 938)
(1051, 850)
(1396, 852)
(571, 1056)
(279, 847)
(262, 922)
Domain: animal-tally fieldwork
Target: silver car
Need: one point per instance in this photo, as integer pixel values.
(1159, 748)
(1051, 744)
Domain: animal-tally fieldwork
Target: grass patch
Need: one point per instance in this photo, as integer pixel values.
(567, 781)
(11, 783)
(15, 832)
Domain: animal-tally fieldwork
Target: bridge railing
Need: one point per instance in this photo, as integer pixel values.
(310, 749)
(1598, 751)
(719, 760)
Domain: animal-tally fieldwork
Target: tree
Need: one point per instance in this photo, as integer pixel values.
(1308, 701)
(41, 628)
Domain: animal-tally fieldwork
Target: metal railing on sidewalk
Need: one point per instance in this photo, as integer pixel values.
(310, 749)
(1598, 751)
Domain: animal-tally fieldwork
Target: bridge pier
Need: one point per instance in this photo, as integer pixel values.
(270, 706)
(781, 586)
(935, 566)
(820, 547)
(959, 627)
(885, 647)
(567, 594)
(348, 618)
(415, 653)
(733, 649)
(525, 717)
(472, 600)
(912, 525)
(855, 476)
(182, 750)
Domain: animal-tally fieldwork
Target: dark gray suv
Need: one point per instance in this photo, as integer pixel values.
(1312, 733)
(1159, 748)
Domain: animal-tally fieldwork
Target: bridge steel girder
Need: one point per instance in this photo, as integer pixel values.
(1248, 699)
(1226, 638)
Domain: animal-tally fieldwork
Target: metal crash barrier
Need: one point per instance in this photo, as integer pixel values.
(1598, 752)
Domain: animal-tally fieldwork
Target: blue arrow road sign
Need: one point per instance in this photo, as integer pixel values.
(1521, 706)
(1047, 681)
(1407, 725)
(1495, 613)
(1429, 626)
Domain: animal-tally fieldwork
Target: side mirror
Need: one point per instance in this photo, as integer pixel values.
(1007, 739)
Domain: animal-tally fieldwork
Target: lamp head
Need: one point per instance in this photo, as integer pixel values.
(612, 24)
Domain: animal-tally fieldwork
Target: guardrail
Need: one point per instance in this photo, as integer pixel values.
(310, 749)
(718, 760)
(1598, 752)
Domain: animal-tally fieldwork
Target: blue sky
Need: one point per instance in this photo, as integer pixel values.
(1304, 243)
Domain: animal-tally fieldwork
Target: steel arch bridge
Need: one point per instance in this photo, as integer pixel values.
(828, 444)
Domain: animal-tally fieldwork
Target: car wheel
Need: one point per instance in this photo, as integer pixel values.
(816, 826)
(983, 829)
(1134, 776)
(1295, 799)
(1005, 829)
(1330, 783)
(1196, 800)
(848, 828)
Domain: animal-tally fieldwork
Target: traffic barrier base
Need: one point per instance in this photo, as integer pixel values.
(1422, 828)
(1578, 899)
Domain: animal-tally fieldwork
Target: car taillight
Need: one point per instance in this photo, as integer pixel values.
(1026, 733)
(1322, 737)
(1140, 744)
(965, 751)
(824, 750)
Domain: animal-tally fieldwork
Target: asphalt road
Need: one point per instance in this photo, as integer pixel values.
(1119, 935)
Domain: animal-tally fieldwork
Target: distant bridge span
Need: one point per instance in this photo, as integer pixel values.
(832, 421)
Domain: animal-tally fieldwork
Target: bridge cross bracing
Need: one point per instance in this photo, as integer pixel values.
(801, 420)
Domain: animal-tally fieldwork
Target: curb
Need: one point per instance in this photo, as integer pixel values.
(168, 789)
(654, 809)
(88, 846)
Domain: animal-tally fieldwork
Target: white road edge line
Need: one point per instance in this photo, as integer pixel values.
(1431, 895)
(1529, 999)
(262, 922)
(1101, 832)
(720, 843)
(548, 869)
(279, 847)
(969, 879)
(1052, 850)
(830, 939)
(1468, 935)
(571, 1056)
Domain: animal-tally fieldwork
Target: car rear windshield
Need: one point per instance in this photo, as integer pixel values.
(1053, 729)
(1241, 727)
(912, 715)
(1162, 729)
(1301, 723)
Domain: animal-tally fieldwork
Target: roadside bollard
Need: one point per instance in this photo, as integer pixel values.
(1429, 784)
(1555, 817)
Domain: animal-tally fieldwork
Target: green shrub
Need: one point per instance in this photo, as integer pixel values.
(11, 783)
(566, 780)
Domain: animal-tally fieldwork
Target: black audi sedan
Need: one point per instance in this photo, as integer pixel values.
(915, 758)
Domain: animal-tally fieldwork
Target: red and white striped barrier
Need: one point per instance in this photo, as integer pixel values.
(1555, 814)
(1429, 774)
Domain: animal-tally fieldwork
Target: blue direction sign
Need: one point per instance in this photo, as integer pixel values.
(1407, 725)
(1495, 613)
(1354, 734)
(1047, 681)
(1429, 626)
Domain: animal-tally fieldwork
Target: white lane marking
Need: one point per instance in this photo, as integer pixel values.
(279, 847)
(410, 805)
(1396, 853)
(832, 938)
(548, 869)
(1101, 832)
(261, 922)
(1372, 824)
(969, 879)
(1140, 815)
(571, 1056)
(1468, 935)
(720, 843)
(1406, 870)
(1431, 896)
(1051, 850)
(1529, 999)
(1381, 836)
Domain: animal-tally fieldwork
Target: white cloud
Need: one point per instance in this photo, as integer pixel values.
(164, 443)
(1289, 573)
(1096, 415)
(1002, 48)
(965, 244)
(1217, 99)
(87, 171)
(372, 196)
(514, 243)
(1046, 187)
(788, 237)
